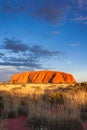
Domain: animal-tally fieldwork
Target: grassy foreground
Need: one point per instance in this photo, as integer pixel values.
(47, 106)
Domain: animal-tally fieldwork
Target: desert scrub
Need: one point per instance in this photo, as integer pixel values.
(38, 113)
(3, 121)
(66, 118)
(84, 112)
(65, 124)
(4, 84)
(37, 122)
(16, 88)
(23, 85)
(45, 98)
(40, 123)
(11, 113)
(44, 119)
(11, 104)
(81, 86)
(84, 108)
(83, 116)
(56, 98)
(22, 110)
(14, 82)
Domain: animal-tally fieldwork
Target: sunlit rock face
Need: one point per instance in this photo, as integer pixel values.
(43, 76)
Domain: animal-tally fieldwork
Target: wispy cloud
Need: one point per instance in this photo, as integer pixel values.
(1, 54)
(51, 11)
(15, 45)
(19, 54)
(27, 64)
(82, 3)
(55, 32)
(41, 51)
(74, 44)
(82, 19)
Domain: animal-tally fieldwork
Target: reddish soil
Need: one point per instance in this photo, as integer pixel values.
(17, 123)
(85, 125)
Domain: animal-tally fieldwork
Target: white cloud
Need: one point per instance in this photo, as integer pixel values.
(55, 32)
(81, 19)
(74, 44)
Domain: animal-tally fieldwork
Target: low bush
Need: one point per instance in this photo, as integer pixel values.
(22, 110)
(42, 122)
(65, 124)
(11, 114)
(23, 85)
(83, 116)
(84, 108)
(37, 122)
(57, 98)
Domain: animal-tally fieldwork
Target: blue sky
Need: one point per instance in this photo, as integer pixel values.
(43, 34)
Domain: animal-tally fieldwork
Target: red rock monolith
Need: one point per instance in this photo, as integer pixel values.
(43, 76)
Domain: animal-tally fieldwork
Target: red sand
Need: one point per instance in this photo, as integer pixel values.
(85, 125)
(19, 123)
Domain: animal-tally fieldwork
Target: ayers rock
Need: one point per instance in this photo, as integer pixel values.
(43, 76)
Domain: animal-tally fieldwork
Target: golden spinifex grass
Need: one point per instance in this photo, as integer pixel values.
(64, 110)
(54, 116)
